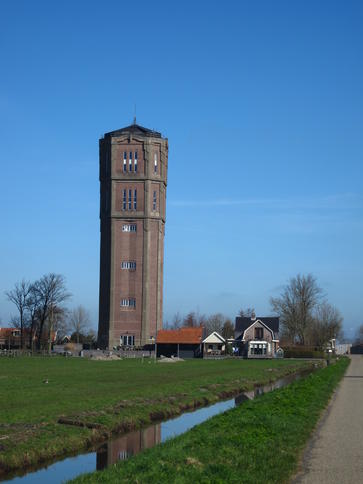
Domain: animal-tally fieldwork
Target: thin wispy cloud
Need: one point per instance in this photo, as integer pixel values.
(345, 200)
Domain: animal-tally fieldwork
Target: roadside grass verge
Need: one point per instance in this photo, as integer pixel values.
(96, 398)
(259, 441)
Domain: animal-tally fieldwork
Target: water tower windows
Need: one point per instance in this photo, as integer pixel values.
(130, 161)
(129, 302)
(155, 162)
(135, 199)
(135, 162)
(125, 161)
(129, 265)
(154, 201)
(130, 199)
(127, 340)
(124, 199)
(129, 228)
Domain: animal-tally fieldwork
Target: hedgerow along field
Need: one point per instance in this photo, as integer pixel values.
(258, 442)
(95, 398)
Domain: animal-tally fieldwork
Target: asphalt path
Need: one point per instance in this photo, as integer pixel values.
(335, 452)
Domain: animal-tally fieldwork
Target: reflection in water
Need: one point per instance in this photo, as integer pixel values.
(127, 445)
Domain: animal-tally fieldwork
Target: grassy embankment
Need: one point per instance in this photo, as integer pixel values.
(96, 398)
(260, 441)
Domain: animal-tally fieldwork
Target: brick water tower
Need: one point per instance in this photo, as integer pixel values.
(133, 177)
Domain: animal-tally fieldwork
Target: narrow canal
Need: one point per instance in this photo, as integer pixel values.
(123, 447)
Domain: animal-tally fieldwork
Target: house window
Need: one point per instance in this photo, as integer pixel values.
(258, 333)
(129, 228)
(125, 161)
(130, 161)
(135, 199)
(127, 340)
(124, 199)
(129, 265)
(154, 201)
(155, 163)
(128, 303)
(135, 162)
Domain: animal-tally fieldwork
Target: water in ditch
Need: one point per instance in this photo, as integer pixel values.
(123, 447)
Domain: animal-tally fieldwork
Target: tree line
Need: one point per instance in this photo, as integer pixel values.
(42, 311)
(215, 322)
(306, 317)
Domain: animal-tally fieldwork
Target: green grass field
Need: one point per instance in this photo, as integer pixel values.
(257, 442)
(99, 397)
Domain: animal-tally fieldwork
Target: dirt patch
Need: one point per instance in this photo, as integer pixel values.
(105, 357)
(170, 360)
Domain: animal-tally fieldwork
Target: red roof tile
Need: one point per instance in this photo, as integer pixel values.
(183, 335)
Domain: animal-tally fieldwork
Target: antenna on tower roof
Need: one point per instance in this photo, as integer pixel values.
(134, 113)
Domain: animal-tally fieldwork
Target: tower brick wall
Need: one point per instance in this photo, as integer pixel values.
(133, 177)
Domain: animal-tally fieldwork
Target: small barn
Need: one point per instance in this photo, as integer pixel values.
(183, 342)
(214, 345)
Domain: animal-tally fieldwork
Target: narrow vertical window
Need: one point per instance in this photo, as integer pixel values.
(124, 199)
(135, 199)
(130, 199)
(155, 163)
(154, 201)
(125, 160)
(130, 161)
(135, 162)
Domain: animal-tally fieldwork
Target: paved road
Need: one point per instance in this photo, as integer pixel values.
(335, 453)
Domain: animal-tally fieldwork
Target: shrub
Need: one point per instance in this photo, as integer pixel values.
(302, 352)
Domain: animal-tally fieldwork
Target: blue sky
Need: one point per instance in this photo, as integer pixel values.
(262, 103)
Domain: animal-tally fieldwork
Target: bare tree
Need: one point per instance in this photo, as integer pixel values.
(176, 321)
(295, 306)
(33, 308)
(51, 292)
(246, 313)
(190, 320)
(215, 322)
(79, 321)
(327, 324)
(228, 329)
(19, 296)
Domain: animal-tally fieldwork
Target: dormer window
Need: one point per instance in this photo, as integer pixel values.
(259, 333)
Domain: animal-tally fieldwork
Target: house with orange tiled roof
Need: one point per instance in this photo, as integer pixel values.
(10, 338)
(183, 342)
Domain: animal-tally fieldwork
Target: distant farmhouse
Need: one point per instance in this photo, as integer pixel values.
(10, 338)
(257, 337)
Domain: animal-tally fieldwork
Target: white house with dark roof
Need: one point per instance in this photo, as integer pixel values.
(257, 337)
(214, 345)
